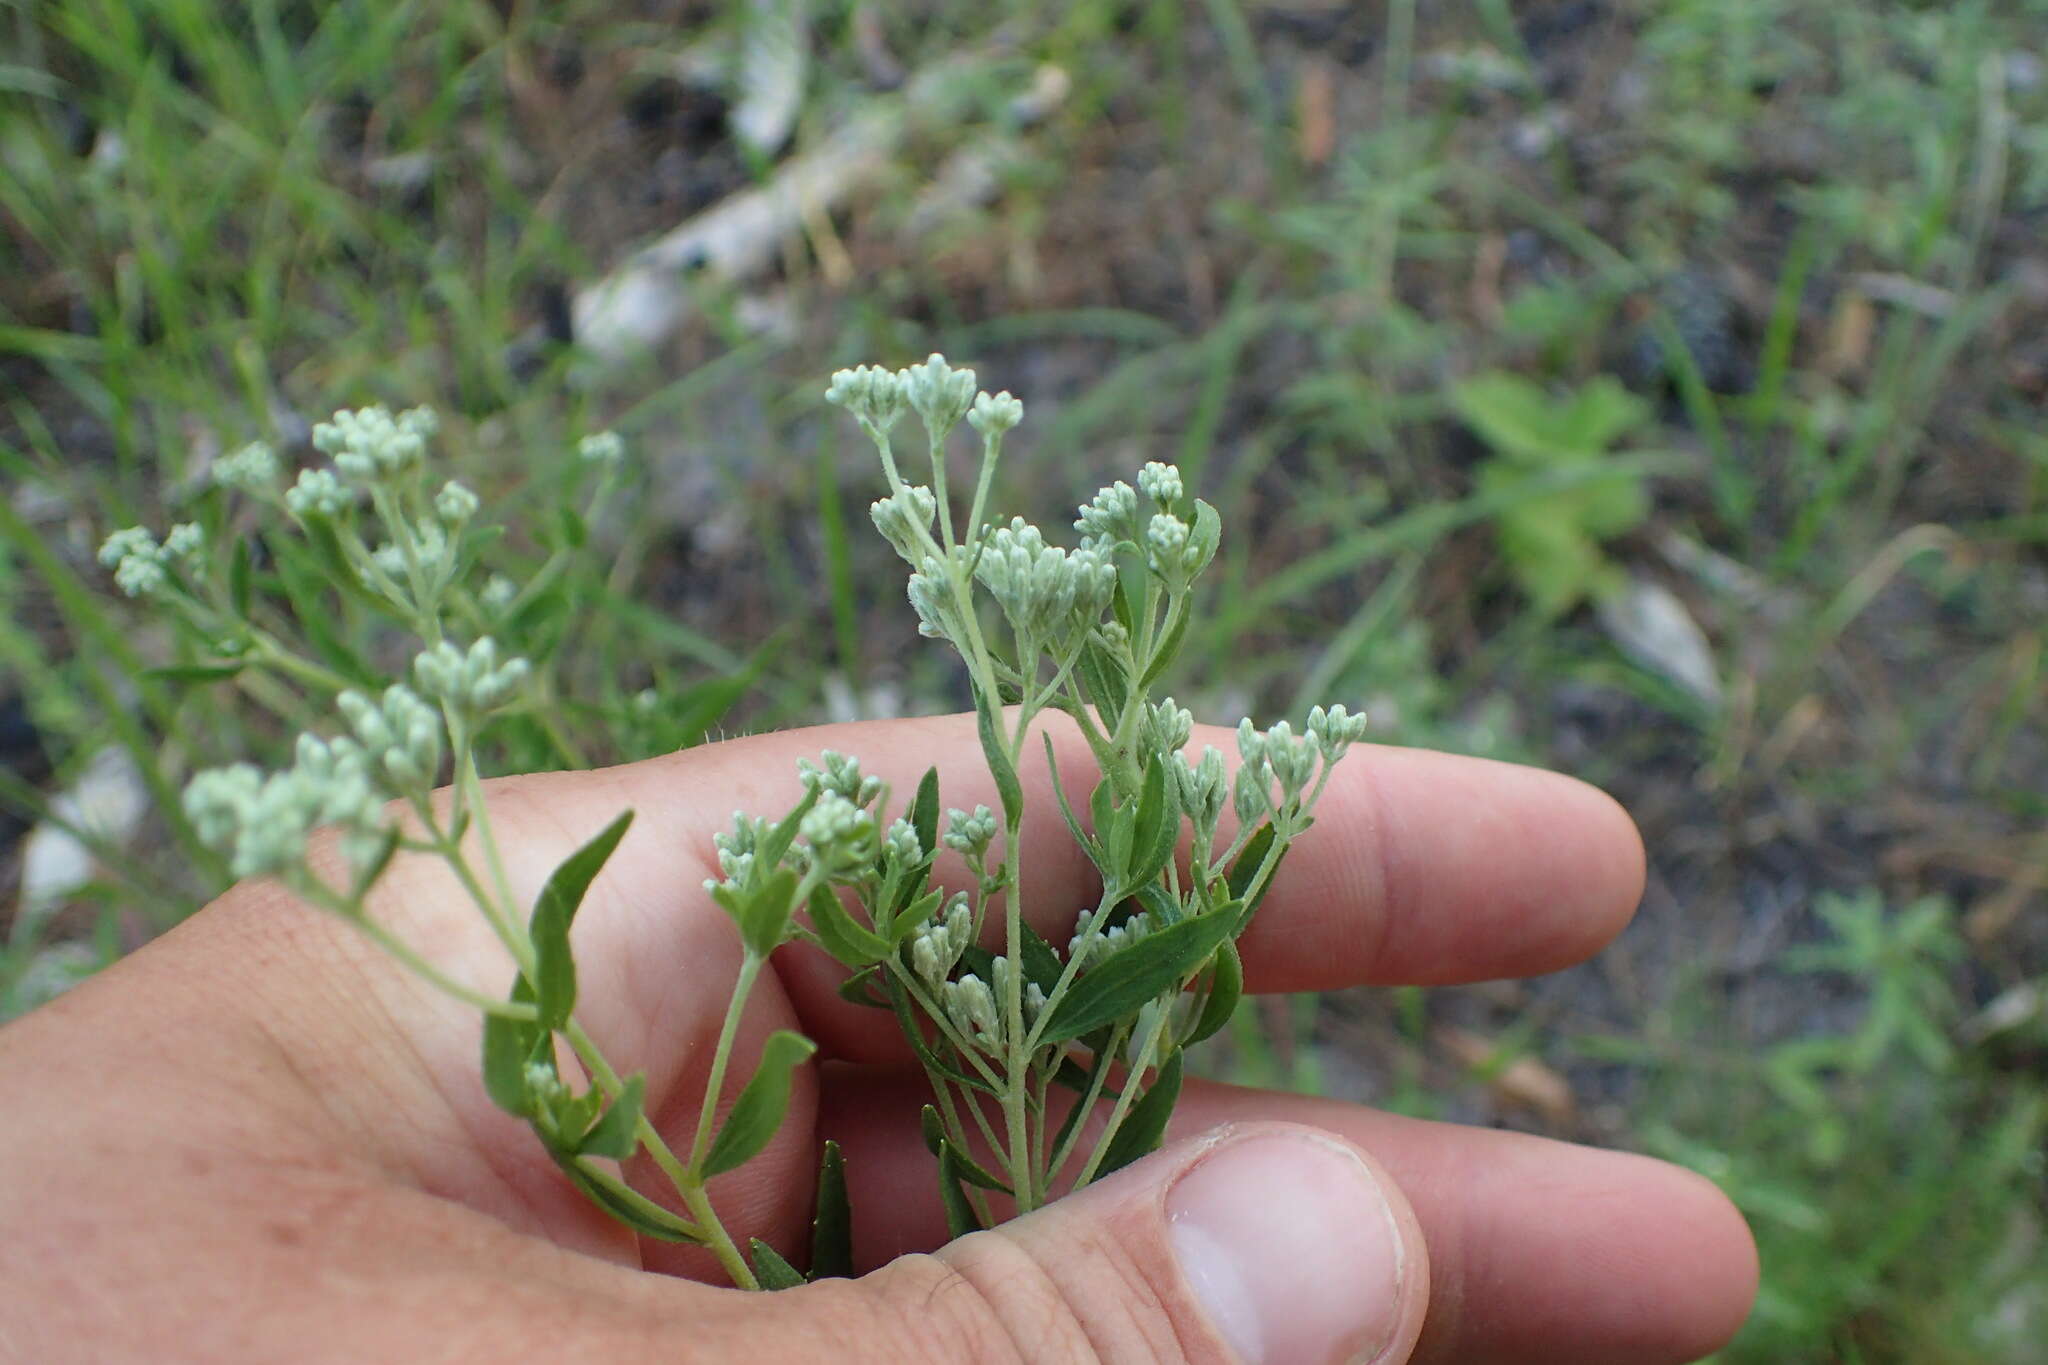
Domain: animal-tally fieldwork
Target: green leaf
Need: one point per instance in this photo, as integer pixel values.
(768, 853)
(936, 1141)
(508, 1045)
(909, 917)
(242, 578)
(1157, 828)
(999, 766)
(771, 1270)
(764, 919)
(1207, 533)
(373, 869)
(832, 1223)
(924, 811)
(1103, 678)
(859, 989)
(569, 524)
(1168, 648)
(1226, 987)
(1042, 965)
(960, 1219)
(1144, 971)
(844, 937)
(555, 964)
(1059, 792)
(194, 673)
(1144, 1126)
(617, 1133)
(1248, 860)
(635, 1210)
(758, 1112)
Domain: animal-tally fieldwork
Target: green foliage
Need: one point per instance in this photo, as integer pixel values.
(1869, 1144)
(1552, 539)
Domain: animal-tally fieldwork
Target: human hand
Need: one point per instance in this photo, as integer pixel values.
(260, 1139)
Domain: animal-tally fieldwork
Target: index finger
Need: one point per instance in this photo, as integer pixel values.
(1422, 868)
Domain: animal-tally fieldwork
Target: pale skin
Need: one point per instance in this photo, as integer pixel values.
(260, 1139)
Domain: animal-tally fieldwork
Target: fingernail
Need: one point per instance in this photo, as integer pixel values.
(1291, 1248)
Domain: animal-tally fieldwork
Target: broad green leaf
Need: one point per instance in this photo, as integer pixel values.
(1144, 1126)
(769, 905)
(844, 937)
(832, 1222)
(960, 1219)
(999, 766)
(1143, 971)
(771, 1270)
(1226, 986)
(618, 1132)
(924, 811)
(555, 965)
(758, 1112)
(1103, 678)
(508, 1045)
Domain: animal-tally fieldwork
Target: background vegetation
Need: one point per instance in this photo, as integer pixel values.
(1647, 388)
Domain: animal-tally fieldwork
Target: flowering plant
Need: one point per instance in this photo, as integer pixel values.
(1050, 1064)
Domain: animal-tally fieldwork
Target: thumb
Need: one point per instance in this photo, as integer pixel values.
(1262, 1243)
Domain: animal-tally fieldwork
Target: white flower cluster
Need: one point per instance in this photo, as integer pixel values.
(1165, 727)
(1203, 787)
(994, 414)
(1161, 483)
(938, 393)
(369, 445)
(872, 394)
(970, 834)
(602, 448)
(905, 520)
(252, 468)
(318, 493)
(935, 948)
(1107, 941)
(841, 835)
(1280, 757)
(399, 732)
(736, 850)
(900, 844)
(142, 567)
(972, 1005)
(1044, 590)
(455, 504)
(840, 775)
(262, 823)
(931, 593)
(470, 682)
(1111, 516)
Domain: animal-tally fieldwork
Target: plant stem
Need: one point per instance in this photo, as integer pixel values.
(743, 985)
(689, 1187)
(1123, 1100)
